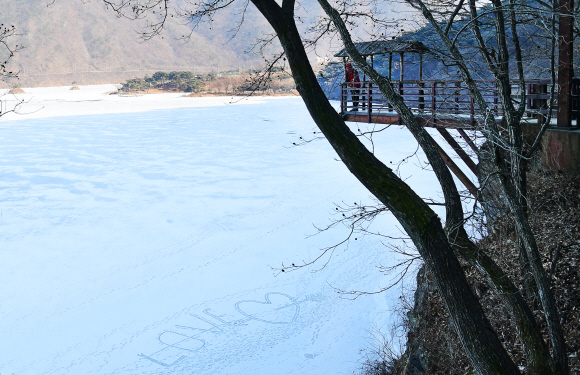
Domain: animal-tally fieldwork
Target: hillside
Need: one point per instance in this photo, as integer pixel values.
(74, 41)
(70, 41)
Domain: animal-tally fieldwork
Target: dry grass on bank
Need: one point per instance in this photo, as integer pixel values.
(244, 93)
(554, 201)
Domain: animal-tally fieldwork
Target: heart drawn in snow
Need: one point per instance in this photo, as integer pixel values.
(279, 308)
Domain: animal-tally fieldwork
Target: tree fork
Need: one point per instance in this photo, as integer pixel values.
(536, 351)
(420, 222)
(546, 295)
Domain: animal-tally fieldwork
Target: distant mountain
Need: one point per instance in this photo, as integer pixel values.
(69, 40)
(80, 41)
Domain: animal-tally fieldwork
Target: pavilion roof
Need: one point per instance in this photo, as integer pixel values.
(381, 47)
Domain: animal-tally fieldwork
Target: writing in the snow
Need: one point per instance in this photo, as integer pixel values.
(179, 343)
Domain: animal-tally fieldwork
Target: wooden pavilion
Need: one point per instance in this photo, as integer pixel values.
(443, 104)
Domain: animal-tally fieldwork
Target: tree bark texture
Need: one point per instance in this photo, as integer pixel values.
(536, 351)
(506, 177)
(418, 220)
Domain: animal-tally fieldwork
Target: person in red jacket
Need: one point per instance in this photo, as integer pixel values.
(353, 84)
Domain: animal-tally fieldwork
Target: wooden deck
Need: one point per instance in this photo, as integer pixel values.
(444, 104)
(425, 119)
(448, 105)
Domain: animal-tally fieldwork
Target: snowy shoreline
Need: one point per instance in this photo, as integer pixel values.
(140, 235)
(44, 102)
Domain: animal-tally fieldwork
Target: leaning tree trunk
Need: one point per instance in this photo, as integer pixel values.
(537, 353)
(423, 226)
(522, 226)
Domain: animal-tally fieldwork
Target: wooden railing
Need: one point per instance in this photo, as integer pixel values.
(450, 99)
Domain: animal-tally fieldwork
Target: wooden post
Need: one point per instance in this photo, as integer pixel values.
(390, 74)
(370, 97)
(565, 63)
(364, 74)
(420, 66)
(421, 84)
(369, 104)
(457, 148)
(457, 96)
(344, 90)
(471, 111)
(457, 172)
(468, 140)
(575, 101)
(402, 66)
(433, 101)
(362, 89)
(529, 99)
(401, 73)
(496, 99)
(342, 109)
(542, 103)
(390, 65)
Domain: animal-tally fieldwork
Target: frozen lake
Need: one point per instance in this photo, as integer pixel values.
(137, 236)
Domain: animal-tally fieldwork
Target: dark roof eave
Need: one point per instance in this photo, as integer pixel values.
(382, 47)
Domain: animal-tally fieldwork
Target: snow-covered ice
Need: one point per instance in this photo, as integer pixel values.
(41, 102)
(137, 236)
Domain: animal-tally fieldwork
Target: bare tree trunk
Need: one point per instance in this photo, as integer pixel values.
(418, 220)
(520, 218)
(436, 244)
(542, 282)
(536, 350)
